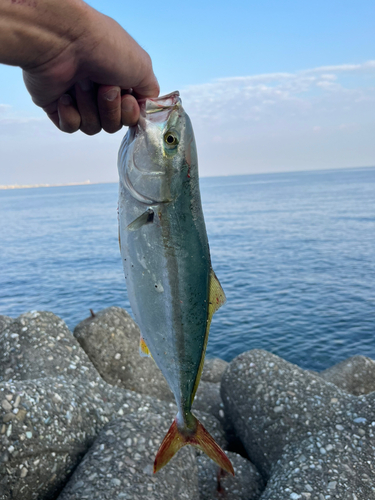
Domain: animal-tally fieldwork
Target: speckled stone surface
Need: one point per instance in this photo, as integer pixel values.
(330, 465)
(247, 484)
(355, 375)
(208, 399)
(4, 322)
(282, 413)
(111, 341)
(120, 465)
(39, 344)
(47, 426)
(213, 370)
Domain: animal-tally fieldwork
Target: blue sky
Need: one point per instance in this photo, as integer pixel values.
(251, 77)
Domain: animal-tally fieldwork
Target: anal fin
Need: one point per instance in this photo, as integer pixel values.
(143, 349)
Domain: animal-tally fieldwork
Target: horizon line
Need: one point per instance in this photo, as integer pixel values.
(89, 183)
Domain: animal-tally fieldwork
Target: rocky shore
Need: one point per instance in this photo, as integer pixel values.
(82, 416)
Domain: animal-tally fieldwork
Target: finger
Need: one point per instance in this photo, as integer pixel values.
(69, 118)
(129, 110)
(52, 113)
(88, 107)
(109, 104)
(54, 117)
(148, 86)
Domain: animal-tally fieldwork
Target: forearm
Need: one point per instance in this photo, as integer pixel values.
(32, 32)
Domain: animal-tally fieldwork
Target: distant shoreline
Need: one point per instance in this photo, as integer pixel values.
(30, 186)
(89, 183)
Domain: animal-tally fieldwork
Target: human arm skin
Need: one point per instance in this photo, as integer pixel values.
(78, 64)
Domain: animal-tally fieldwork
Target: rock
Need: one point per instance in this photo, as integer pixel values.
(327, 465)
(4, 322)
(111, 341)
(355, 375)
(208, 399)
(213, 370)
(120, 465)
(54, 426)
(281, 412)
(56, 422)
(39, 344)
(247, 484)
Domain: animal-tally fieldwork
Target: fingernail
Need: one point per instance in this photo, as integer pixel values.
(66, 100)
(85, 84)
(111, 94)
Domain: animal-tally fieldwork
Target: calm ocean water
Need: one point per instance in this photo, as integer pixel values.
(295, 253)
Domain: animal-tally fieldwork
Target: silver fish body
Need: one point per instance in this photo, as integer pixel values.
(165, 250)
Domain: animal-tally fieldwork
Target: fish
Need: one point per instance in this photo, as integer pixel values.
(172, 288)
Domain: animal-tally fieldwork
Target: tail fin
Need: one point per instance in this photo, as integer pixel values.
(200, 438)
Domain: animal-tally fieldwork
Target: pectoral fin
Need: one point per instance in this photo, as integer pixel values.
(216, 298)
(143, 349)
(146, 218)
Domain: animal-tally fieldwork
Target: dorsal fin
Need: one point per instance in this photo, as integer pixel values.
(216, 298)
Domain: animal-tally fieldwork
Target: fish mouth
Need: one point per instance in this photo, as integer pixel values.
(158, 109)
(150, 105)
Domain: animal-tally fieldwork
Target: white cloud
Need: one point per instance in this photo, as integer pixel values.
(4, 108)
(279, 86)
(316, 118)
(361, 68)
(328, 77)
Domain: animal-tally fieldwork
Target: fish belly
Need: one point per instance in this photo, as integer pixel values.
(167, 269)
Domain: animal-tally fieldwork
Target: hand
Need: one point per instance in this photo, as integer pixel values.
(82, 68)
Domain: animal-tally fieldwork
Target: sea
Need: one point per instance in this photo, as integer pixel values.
(295, 254)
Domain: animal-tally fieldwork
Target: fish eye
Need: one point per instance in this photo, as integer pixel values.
(170, 139)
